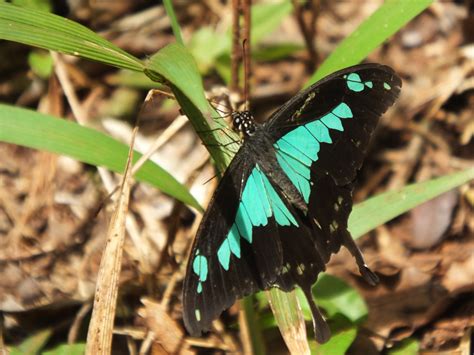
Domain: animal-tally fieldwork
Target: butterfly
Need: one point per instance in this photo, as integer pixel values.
(282, 206)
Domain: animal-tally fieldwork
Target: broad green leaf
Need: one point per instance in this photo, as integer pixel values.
(383, 23)
(377, 210)
(34, 130)
(33, 344)
(175, 65)
(337, 297)
(406, 347)
(343, 335)
(49, 31)
(67, 349)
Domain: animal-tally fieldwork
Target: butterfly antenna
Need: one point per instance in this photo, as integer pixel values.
(321, 328)
(211, 178)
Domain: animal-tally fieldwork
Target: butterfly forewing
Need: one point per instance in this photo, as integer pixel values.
(321, 137)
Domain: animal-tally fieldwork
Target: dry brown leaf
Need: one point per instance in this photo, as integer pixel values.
(166, 331)
(99, 336)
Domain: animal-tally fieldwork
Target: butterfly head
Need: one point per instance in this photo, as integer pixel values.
(243, 122)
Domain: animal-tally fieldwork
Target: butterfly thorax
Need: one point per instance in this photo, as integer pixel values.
(244, 122)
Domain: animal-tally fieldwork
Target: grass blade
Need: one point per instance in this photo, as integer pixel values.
(99, 335)
(174, 21)
(34, 130)
(388, 205)
(49, 31)
(383, 23)
(175, 65)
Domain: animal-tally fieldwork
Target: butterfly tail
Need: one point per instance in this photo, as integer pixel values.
(321, 328)
(364, 270)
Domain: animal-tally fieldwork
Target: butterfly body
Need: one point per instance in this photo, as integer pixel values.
(282, 206)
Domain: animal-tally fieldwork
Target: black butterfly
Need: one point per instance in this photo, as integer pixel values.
(282, 206)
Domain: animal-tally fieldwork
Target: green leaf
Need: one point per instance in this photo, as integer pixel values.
(276, 52)
(266, 17)
(253, 325)
(48, 31)
(174, 21)
(383, 23)
(175, 65)
(377, 210)
(67, 349)
(41, 63)
(206, 45)
(408, 346)
(343, 335)
(290, 322)
(43, 5)
(33, 344)
(337, 297)
(34, 130)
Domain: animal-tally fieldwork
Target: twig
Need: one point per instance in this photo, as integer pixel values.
(76, 324)
(236, 56)
(246, 49)
(308, 30)
(99, 335)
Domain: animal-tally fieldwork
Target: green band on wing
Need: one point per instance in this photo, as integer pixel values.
(299, 148)
(295, 153)
(354, 82)
(200, 268)
(259, 202)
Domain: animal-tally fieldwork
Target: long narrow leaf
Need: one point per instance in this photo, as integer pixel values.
(49, 31)
(175, 65)
(382, 208)
(383, 23)
(174, 21)
(34, 130)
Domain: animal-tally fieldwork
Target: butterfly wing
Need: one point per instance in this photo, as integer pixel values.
(234, 253)
(250, 237)
(321, 137)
